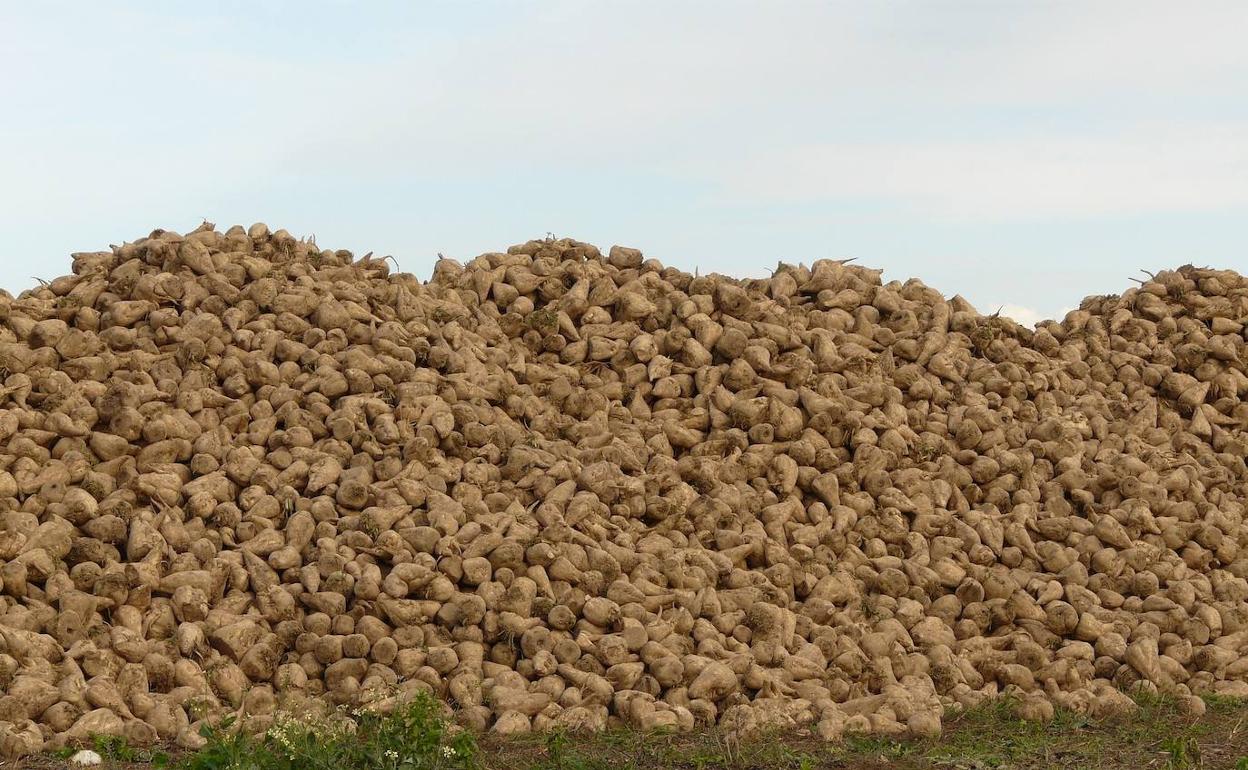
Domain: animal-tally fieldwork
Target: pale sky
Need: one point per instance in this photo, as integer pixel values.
(1022, 154)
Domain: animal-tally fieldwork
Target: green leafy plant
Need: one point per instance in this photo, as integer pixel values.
(115, 748)
(414, 736)
(1182, 753)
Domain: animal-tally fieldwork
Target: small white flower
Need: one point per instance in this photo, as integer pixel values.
(448, 752)
(392, 755)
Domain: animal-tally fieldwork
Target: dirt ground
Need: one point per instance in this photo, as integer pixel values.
(1157, 736)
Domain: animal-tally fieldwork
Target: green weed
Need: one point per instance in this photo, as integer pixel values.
(413, 737)
(1182, 753)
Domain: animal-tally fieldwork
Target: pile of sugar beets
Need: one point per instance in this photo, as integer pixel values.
(240, 473)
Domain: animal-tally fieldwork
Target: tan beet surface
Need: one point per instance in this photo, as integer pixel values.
(563, 490)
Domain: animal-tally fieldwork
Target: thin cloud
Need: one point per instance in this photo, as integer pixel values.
(731, 134)
(1024, 315)
(1183, 168)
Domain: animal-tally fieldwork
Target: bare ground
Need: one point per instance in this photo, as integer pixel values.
(1157, 736)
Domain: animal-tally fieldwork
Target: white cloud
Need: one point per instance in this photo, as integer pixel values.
(1023, 315)
(1026, 316)
(1170, 168)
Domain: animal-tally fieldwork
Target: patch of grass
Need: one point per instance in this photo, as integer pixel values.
(629, 750)
(561, 755)
(1182, 753)
(413, 737)
(1224, 704)
(114, 749)
(1158, 735)
(874, 747)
